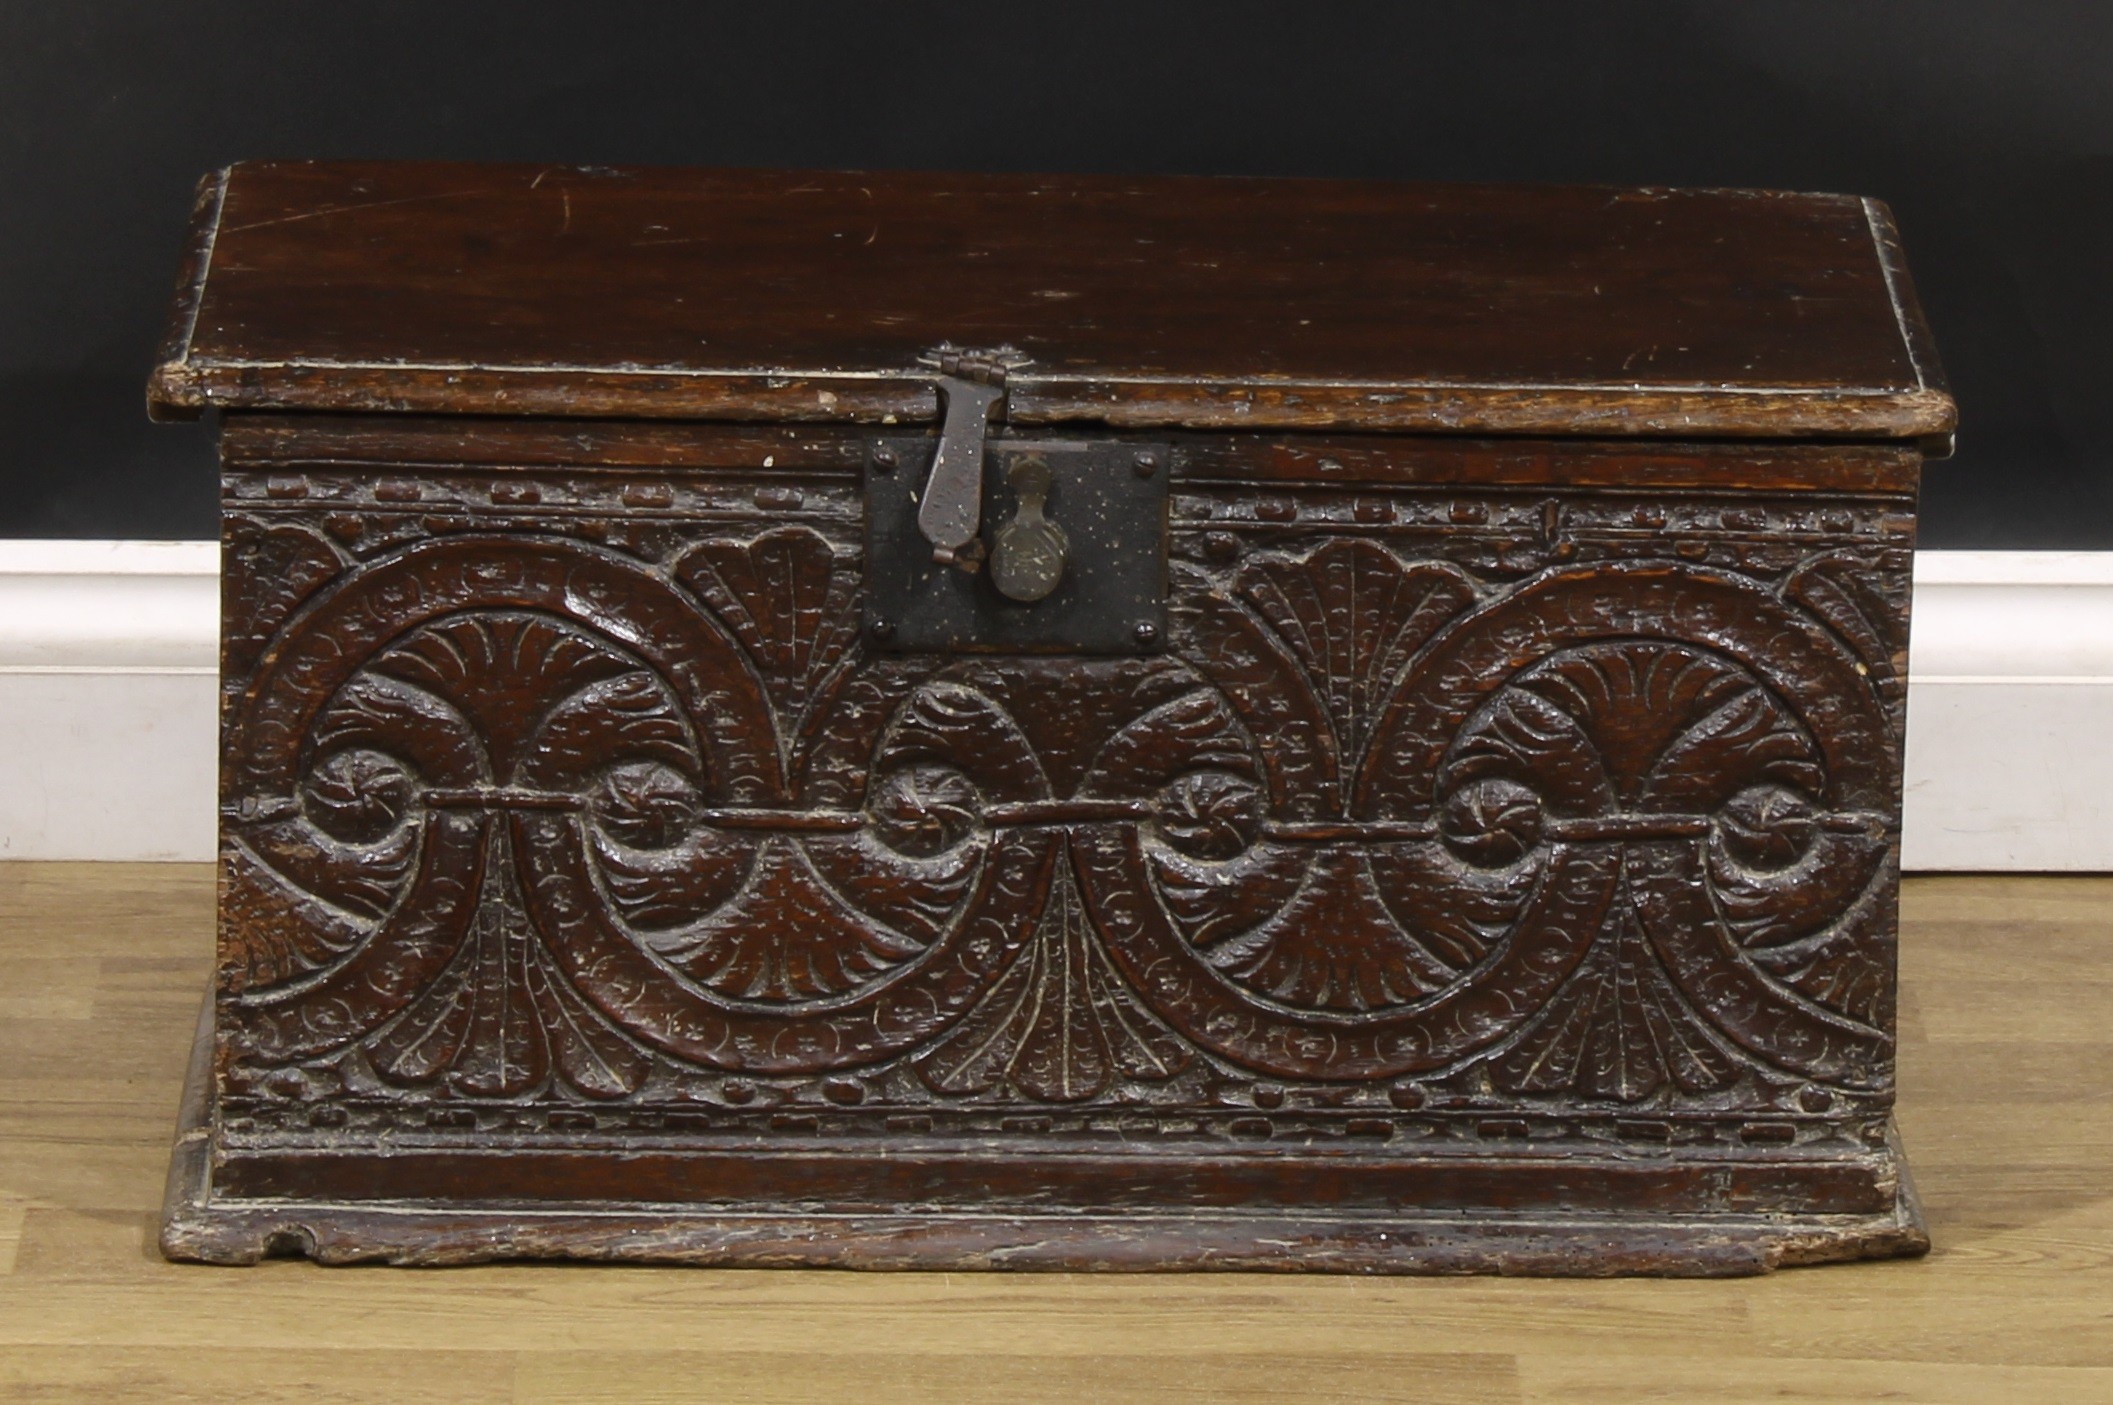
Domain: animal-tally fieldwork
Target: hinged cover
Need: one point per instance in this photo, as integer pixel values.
(1198, 302)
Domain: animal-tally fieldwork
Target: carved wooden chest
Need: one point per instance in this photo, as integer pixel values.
(917, 720)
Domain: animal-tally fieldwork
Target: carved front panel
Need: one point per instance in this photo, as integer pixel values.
(569, 803)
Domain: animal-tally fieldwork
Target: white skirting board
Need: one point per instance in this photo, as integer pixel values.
(2010, 708)
(107, 687)
(108, 673)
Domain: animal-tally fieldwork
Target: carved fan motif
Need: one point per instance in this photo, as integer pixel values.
(1743, 832)
(786, 936)
(794, 612)
(1334, 945)
(1353, 614)
(500, 1021)
(480, 703)
(1618, 1030)
(1642, 728)
(1592, 840)
(519, 817)
(1640, 725)
(517, 834)
(1060, 1025)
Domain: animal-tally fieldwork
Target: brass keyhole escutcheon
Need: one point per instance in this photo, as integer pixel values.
(1027, 559)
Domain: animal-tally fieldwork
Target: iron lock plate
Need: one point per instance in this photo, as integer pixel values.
(1109, 500)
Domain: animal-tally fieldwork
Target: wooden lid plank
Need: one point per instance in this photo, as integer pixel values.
(1140, 301)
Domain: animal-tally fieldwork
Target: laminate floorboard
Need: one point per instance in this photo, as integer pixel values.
(2006, 1108)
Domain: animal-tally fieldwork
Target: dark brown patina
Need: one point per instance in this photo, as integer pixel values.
(1479, 854)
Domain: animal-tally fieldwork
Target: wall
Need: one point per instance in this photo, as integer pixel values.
(1988, 127)
(108, 684)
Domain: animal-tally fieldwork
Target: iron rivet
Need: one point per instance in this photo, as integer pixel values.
(1146, 632)
(883, 459)
(1145, 464)
(883, 629)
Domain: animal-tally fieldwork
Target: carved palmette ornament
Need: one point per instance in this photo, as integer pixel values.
(536, 818)
(950, 721)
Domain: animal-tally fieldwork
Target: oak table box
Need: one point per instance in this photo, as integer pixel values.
(1006, 721)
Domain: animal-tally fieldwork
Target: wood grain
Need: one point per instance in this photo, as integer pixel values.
(2009, 1135)
(802, 295)
(583, 850)
(431, 447)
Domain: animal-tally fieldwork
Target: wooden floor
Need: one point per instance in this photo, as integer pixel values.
(2007, 1107)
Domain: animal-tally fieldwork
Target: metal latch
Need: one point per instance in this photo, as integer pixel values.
(1073, 531)
(972, 383)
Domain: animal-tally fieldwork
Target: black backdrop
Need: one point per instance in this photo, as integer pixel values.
(1988, 126)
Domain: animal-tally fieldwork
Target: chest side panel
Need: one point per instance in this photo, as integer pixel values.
(564, 805)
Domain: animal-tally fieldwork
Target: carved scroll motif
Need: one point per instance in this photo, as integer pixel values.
(519, 815)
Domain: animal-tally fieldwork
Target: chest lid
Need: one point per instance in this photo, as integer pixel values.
(1138, 302)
